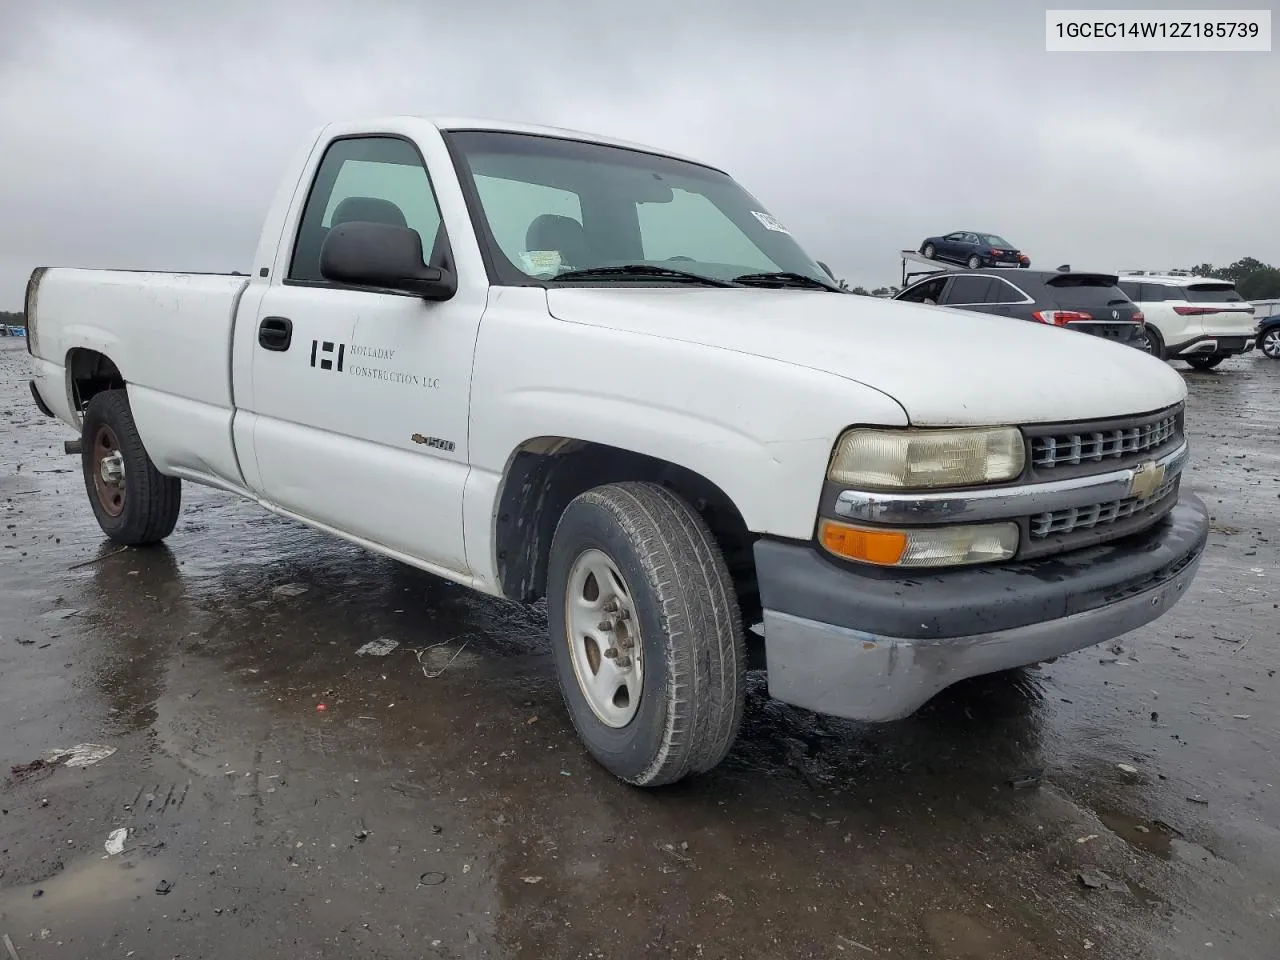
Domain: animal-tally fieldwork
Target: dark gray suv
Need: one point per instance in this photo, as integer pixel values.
(1086, 302)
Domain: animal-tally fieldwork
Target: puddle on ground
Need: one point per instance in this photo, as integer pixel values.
(84, 888)
(1155, 837)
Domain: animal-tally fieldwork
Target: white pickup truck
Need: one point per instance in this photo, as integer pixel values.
(548, 364)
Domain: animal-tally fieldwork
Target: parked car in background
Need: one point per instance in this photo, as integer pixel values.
(1086, 302)
(1197, 319)
(1267, 334)
(974, 249)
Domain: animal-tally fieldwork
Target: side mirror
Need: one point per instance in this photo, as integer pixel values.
(826, 268)
(365, 254)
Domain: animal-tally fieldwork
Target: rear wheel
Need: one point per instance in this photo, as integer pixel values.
(1269, 343)
(135, 504)
(1152, 337)
(1144, 341)
(646, 633)
(1206, 362)
(975, 262)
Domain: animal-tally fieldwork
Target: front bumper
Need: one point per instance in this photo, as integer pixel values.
(873, 644)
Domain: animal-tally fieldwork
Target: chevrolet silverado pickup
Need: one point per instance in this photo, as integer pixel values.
(547, 364)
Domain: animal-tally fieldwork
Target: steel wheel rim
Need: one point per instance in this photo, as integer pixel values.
(604, 638)
(108, 471)
(1271, 343)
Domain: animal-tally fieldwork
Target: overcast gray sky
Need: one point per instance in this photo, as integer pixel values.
(152, 134)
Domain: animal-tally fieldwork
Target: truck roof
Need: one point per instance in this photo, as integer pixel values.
(447, 123)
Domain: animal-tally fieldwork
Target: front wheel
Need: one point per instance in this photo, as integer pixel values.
(646, 633)
(1206, 362)
(1269, 343)
(135, 504)
(928, 251)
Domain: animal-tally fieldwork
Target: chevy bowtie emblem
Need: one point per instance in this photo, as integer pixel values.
(1146, 480)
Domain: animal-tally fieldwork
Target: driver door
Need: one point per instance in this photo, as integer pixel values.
(362, 410)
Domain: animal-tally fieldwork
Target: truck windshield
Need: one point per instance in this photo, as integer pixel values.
(549, 206)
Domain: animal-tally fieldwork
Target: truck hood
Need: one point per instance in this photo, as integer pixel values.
(945, 367)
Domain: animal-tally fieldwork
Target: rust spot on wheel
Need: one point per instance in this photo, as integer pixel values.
(108, 471)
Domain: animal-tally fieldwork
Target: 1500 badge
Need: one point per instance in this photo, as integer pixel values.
(446, 445)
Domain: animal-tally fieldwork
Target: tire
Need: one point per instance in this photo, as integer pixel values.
(929, 251)
(1157, 341)
(691, 670)
(1206, 362)
(137, 505)
(975, 262)
(1269, 343)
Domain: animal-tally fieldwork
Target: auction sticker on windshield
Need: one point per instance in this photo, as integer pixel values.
(769, 222)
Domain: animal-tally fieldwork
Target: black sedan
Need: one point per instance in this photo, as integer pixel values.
(974, 249)
(1074, 300)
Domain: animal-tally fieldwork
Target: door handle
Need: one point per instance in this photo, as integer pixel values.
(275, 333)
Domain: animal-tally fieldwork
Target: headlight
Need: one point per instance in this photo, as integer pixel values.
(920, 546)
(920, 459)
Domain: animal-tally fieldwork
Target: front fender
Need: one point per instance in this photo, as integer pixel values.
(759, 429)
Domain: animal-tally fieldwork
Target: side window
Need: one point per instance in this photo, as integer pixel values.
(1002, 291)
(928, 291)
(968, 289)
(538, 228)
(378, 179)
(691, 226)
(1131, 290)
(1155, 293)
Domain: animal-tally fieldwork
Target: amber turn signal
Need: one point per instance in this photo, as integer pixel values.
(884, 547)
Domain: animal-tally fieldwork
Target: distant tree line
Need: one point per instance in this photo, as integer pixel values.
(1254, 279)
(13, 319)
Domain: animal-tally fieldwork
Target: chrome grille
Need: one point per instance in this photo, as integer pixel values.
(1075, 519)
(1097, 446)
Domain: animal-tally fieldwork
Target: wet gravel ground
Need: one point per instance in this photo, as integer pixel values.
(284, 796)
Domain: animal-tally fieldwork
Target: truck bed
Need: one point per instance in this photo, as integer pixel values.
(170, 336)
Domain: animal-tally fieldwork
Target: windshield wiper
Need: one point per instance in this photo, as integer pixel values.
(782, 278)
(641, 270)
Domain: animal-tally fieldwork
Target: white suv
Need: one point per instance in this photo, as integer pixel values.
(1197, 319)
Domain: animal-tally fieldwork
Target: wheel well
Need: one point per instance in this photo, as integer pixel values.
(91, 372)
(547, 473)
